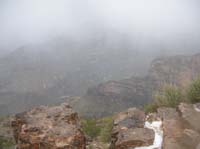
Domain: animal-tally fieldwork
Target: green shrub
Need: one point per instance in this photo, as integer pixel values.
(150, 108)
(194, 91)
(169, 96)
(91, 128)
(99, 129)
(106, 130)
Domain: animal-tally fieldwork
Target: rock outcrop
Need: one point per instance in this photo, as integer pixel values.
(179, 130)
(181, 127)
(48, 127)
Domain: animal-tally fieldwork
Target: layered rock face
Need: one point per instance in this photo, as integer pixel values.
(48, 127)
(179, 70)
(180, 129)
(115, 96)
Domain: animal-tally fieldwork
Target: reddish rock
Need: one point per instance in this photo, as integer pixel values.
(48, 127)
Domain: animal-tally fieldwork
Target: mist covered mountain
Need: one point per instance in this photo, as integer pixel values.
(48, 72)
(115, 96)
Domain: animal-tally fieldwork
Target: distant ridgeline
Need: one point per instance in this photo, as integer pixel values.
(29, 78)
(49, 72)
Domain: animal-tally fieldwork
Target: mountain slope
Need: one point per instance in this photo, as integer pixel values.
(48, 72)
(115, 96)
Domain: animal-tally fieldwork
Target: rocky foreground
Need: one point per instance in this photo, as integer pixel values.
(180, 129)
(59, 128)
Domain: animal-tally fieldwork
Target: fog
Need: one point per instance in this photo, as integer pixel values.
(54, 49)
(170, 24)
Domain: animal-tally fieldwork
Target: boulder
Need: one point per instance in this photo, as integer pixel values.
(180, 127)
(133, 117)
(129, 131)
(45, 127)
(134, 137)
(191, 115)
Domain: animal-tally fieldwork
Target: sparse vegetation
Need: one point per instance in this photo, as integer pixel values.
(150, 108)
(168, 96)
(171, 96)
(194, 91)
(91, 128)
(106, 130)
(99, 129)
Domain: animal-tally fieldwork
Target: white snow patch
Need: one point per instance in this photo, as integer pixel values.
(196, 108)
(156, 126)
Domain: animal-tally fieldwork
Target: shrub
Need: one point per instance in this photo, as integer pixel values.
(169, 96)
(107, 125)
(90, 128)
(194, 91)
(150, 108)
(99, 129)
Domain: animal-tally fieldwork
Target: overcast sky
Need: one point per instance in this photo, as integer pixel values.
(32, 21)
